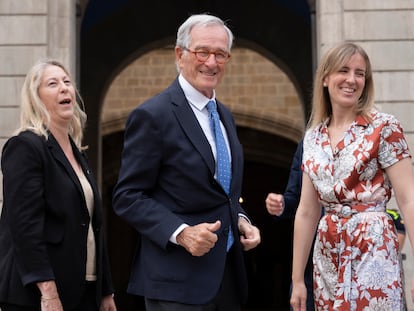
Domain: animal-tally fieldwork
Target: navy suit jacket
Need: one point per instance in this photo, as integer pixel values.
(44, 223)
(294, 186)
(291, 199)
(167, 179)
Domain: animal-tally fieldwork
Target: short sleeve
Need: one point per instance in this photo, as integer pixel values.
(393, 145)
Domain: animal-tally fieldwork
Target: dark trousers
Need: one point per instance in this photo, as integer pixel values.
(225, 300)
(88, 302)
(11, 307)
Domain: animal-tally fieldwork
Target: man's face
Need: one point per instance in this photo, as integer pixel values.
(203, 75)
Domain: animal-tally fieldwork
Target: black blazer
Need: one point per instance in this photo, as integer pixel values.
(44, 223)
(166, 179)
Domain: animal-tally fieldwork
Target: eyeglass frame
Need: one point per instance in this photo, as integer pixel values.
(197, 56)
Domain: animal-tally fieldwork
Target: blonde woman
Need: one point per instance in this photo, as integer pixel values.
(353, 156)
(53, 256)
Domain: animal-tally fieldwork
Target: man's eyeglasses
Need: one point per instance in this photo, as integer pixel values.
(203, 55)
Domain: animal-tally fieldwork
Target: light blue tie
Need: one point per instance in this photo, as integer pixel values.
(223, 166)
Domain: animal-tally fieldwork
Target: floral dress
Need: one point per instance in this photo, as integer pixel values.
(357, 264)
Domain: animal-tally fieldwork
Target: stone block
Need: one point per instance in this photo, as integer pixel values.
(379, 25)
(23, 6)
(17, 60)
(329, 6)
(10, 121)
(394, 86)
(390, 55)
(410, 141)
(10, 88)
(329, 32)
(404, 112)
(378, 4)
(23, 29)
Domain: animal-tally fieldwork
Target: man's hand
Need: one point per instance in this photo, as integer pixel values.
(249, 234)
(275, 204)
(199, 239)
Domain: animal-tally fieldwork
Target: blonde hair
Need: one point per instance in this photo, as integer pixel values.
(33, 114)
(332, 61)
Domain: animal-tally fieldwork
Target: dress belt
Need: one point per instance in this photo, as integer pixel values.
(348, 210)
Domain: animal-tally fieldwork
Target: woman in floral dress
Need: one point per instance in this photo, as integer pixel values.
(352, 156)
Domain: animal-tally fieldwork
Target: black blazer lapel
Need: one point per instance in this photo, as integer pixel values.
(81, 157)
(60, 157)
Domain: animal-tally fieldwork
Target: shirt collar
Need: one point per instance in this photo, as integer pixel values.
(359, 120)
(193, 96)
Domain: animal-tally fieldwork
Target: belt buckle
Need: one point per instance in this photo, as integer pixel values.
(346, 211)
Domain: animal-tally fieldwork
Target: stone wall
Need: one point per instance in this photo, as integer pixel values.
(30, 30)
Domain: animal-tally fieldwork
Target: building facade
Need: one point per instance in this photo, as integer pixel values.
(121, 52)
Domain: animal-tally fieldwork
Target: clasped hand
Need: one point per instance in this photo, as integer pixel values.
(198, 240)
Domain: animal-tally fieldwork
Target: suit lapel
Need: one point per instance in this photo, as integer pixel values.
(191, 127)
(60, 157)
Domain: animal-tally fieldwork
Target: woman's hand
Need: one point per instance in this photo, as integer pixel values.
(298, 297)
(49, 299)
(50, 304)
(108, 303)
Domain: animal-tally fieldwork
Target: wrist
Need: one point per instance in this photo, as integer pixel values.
(48, 290)
(47, 298)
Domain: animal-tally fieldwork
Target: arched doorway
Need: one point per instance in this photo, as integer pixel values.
(283, 38)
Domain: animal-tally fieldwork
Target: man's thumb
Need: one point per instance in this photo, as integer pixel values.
(213, 227)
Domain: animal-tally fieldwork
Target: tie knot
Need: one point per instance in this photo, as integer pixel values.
(211, 106)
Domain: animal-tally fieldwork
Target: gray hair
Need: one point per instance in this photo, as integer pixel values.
(183, 34)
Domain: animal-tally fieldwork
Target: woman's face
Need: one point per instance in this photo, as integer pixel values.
(345, 85)
(57, 94)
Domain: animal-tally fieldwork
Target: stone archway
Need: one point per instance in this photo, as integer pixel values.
(269, 127)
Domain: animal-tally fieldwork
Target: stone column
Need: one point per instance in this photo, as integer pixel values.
(385, 30)
(30, 30)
